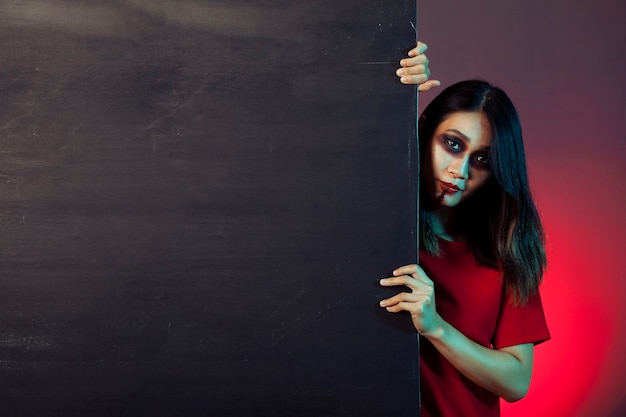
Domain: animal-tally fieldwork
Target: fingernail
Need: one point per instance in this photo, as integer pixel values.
(383, 303)
(399, 72)
(383, 281)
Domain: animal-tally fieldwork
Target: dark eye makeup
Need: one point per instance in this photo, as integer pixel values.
(456, 145)
(481, 160)
(453, 144)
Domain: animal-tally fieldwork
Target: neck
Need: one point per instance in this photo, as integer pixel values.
(444, 223)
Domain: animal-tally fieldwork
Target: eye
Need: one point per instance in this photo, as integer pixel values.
(482, 160)
(453, 144)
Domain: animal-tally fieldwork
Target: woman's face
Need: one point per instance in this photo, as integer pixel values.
(458, 164)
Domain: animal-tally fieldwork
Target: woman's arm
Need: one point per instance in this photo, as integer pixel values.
(415, 70)
(505, 372)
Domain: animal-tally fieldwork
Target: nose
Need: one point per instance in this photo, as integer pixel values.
(459, 169)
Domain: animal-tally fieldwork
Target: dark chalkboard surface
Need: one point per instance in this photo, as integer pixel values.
(197, 199)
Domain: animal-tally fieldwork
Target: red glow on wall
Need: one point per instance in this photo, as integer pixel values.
(572, 371)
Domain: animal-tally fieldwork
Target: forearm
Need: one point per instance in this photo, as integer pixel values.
(505, 372)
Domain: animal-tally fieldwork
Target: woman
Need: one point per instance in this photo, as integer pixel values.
(474, 297)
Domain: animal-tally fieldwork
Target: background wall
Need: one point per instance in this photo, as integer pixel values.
(562, 62)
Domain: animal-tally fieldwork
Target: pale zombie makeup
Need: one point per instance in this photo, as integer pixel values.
(459, 163)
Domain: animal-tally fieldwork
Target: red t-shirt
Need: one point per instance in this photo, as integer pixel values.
(470, 297)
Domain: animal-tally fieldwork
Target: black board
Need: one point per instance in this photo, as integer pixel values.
(197, 199)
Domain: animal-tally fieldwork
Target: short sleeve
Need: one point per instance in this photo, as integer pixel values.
(522, 324)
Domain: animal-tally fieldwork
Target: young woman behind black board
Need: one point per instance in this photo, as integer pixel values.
(475, 295)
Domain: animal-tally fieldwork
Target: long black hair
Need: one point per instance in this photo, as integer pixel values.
(500, 221)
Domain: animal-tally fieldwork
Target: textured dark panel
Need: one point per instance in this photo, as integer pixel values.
(197, 200)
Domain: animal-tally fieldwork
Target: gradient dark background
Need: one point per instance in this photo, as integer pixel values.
(563, 64)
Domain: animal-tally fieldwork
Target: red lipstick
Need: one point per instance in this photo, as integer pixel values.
(448, 188)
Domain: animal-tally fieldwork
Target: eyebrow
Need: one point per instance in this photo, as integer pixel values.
(458, 132)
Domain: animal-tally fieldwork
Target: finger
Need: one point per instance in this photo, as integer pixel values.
(413, 79)
(413, 70)
(405, 270)
(398, 308)
(416, 308)
(414, 75)
(416, 285)
(419, 49)
(414, 271)
(413, 308)
(400, 280)
(401, 297)
(412, 302)
(406, 280)
(429, 85)
(411, 62)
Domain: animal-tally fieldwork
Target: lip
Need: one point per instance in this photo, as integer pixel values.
(448, 187)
